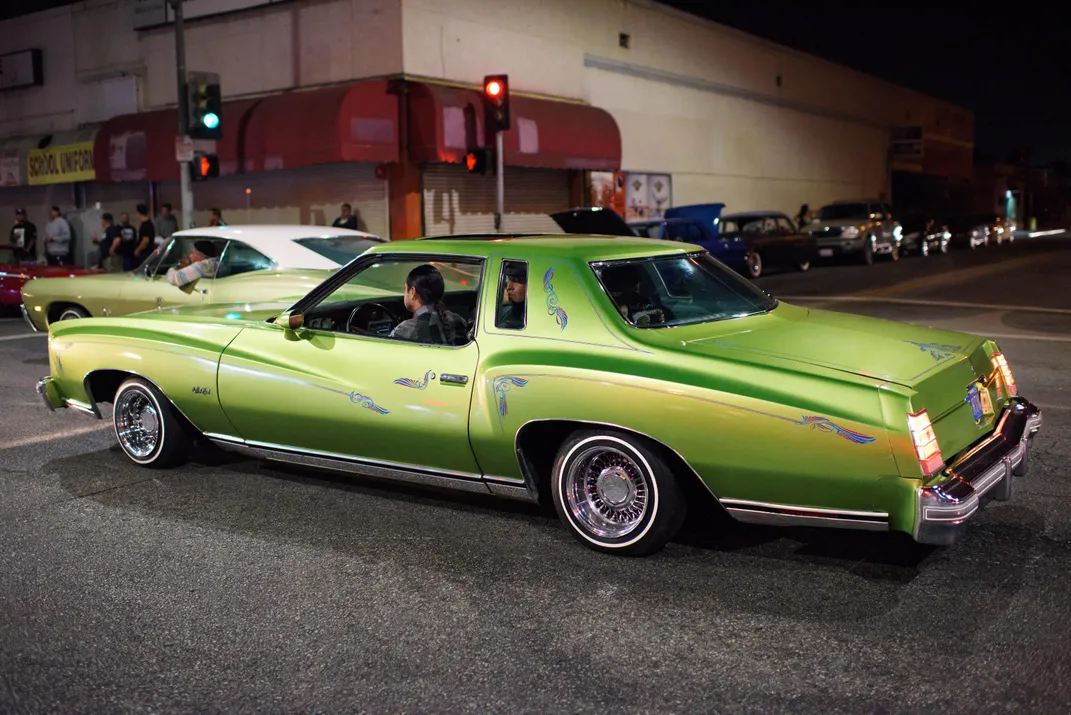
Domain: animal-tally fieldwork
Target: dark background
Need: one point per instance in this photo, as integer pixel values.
(1008, 64)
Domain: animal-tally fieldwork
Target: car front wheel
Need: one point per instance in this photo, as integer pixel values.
(72, 312)
(868, 252)
(804, 266)
(616, 495)
(147, 427)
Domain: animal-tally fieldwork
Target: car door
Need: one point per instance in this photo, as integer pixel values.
(149, 288)
(339, 387)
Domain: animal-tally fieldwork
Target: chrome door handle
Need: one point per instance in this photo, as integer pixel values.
(202, 291)
(454, 379)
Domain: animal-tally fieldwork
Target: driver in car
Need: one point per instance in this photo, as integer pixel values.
(201, 262)
(431, 323)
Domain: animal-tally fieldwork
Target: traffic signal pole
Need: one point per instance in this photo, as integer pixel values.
(500, 191)
(184, 116)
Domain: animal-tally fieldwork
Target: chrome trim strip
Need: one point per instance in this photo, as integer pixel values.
(356, 467)
(335, 456)
(82, 407)
(768, 518)
(512, 481)
(26, 317)
(519, 493)
(814, 511)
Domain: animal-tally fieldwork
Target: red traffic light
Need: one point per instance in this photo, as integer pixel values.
(496, 103)
(493, 88)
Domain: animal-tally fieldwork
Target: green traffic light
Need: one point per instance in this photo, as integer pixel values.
(210, 120)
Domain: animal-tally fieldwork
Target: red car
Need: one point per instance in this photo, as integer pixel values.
(14, 275)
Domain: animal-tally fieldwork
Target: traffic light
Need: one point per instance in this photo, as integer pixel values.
(496, 103)
(204, 166)
(479, 160)
(205, 103)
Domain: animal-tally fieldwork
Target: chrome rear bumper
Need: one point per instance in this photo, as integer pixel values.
(985, 468)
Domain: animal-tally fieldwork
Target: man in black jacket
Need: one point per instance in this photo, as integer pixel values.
(24, 238)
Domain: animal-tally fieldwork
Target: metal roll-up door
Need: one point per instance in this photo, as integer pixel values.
(456, 201)
(117, 197)
(308, 195)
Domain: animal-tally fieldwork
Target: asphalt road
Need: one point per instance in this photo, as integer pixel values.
(238, 587)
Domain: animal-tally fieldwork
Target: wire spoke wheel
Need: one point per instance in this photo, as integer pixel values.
(607, 492)
(137, 424)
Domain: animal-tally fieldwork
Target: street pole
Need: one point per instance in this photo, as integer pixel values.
(184, 117)
(500, 193)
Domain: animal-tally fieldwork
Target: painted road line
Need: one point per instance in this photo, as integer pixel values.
(26, 441)
(24, 336)
(960, 275)
(858, 298)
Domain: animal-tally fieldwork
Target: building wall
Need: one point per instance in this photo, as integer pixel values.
(733, 118)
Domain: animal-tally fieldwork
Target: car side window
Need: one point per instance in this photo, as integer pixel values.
(242, 258)
(784, 225)
(511, 312)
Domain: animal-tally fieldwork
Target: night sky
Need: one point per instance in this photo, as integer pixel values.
(1009, 64)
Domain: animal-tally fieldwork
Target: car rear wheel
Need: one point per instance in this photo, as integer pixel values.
(754, 264)
(894, 254)
(924, 249)
(147, 427)
(615, 495)
(804, 266)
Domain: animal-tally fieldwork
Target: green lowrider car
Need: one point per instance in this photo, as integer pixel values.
(254, 263)
(608, 376)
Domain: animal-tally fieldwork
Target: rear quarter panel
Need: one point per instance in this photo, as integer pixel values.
(742, 428)
(176, 355)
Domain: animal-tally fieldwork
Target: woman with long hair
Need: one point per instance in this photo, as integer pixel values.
(431, 322)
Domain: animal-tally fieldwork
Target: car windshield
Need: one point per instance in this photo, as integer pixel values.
(665, 291)
(836, 212)
(340, 249)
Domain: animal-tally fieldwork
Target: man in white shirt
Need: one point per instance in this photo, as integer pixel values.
(57, 238)
(201, 262)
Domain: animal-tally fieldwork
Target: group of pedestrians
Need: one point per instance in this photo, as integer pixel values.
(57, 235)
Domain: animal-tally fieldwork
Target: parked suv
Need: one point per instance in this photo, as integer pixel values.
(859, 229)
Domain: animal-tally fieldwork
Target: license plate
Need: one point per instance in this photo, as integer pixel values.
(825, 252)
(980, 402)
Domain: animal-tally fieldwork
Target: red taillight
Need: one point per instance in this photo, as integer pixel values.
(925, 441)
(1001, 363)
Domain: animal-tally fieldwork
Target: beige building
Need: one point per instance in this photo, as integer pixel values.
(374, 102)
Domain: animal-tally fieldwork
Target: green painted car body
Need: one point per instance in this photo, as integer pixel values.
(787, 416)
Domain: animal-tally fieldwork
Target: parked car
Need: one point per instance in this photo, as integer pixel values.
(638, 372)
(15, 275)
(856, 229)
(924, 235)
(971, 231)
(772, 239)
(696, 224)
(1003, 229)
(256, 263)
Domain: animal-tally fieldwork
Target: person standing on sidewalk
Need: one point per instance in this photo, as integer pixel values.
(24, 238)
(146, 235)
(166, 223)
(216, 218)
(57, 239)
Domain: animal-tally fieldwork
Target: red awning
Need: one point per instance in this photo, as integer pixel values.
(333, 124)
(445, 122)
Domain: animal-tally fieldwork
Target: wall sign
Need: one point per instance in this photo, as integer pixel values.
(60, 164)
(21, 69)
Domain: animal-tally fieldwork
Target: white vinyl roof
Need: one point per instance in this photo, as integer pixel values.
(278, 242)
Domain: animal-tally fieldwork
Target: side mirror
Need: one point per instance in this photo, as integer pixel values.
(294, 321)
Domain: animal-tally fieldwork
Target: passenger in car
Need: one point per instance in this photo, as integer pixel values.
(431, 323)
(511, 316)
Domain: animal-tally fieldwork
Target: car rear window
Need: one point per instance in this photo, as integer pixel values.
(664, 291)
(340, 249)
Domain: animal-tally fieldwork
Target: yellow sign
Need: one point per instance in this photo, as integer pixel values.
(60, 164)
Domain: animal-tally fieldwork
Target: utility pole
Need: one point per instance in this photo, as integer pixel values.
(500, 191)
(183, 116)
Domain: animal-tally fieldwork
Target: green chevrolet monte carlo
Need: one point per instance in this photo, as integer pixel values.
(252, 263)
(607, 376)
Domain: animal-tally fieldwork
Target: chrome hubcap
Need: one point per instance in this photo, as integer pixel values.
(137, 424)
(607, 492)
(70, 315)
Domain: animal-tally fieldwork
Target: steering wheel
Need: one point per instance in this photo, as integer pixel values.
(351, 328)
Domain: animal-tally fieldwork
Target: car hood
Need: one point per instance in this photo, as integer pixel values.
(604, 222)
(226, 312)
(836, 223)
(869, 347)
